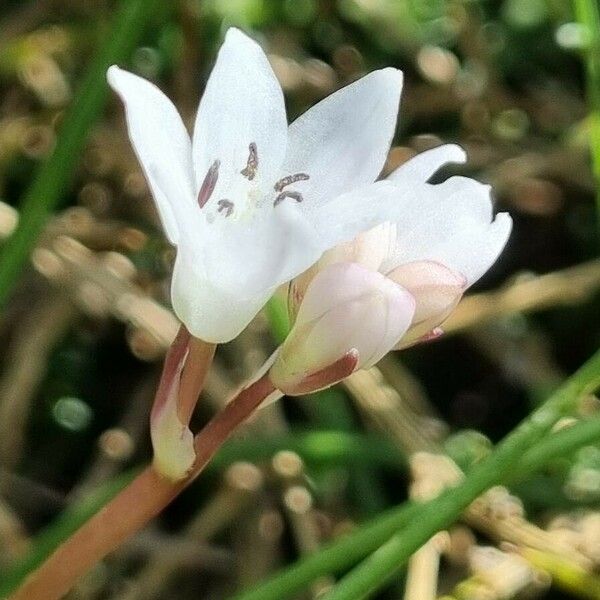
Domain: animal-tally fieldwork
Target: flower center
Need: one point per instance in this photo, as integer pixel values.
(226, 206)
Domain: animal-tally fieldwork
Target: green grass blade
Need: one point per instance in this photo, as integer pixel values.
(54, 175)
(419, 522)
(588, 15)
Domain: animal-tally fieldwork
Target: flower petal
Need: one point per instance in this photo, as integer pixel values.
(245, 257)
(424, 165)
(451, 223)
(162, 145)
(242, 106)
(346, 216)
(209, 312)
(436, 288)
(356, 308)
(342, 142)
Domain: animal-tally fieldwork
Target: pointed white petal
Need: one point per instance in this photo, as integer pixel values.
(162, 145)
(218, 287)
(346, 216)
(424, 165)
(242, 105)
(343, 141)
(209, 312)
(451, 223)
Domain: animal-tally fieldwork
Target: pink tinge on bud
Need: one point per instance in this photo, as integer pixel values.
(436, 289)
(328, 376)
(345, 308)
(368, 249)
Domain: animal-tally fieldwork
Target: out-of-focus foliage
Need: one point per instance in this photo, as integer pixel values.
(87, 323)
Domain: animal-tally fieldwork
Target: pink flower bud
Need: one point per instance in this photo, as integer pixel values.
(369, 249)
(345, 307)
(436, 289)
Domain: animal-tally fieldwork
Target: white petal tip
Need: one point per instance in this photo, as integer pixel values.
(391, 73)
(111, 73)
(394, 77)
(456, 154)
(119, 79)
(237, 36)
(504, 222)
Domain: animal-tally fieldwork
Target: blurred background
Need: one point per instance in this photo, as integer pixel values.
(86, 319)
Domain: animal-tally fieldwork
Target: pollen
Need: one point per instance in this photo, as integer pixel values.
(208, 185)
(297, 196)
(225, 206)
(289, 179)
(252, 164)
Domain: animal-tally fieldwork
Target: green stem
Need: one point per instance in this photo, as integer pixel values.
(334, 558)
(318, 447)
(422, 521)
(588, 15)
(371, 574)
(54, 175)
(560, 444)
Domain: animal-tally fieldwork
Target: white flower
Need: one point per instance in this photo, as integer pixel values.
(249, 202)
(394, 285)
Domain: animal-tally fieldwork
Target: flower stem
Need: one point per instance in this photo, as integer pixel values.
(376, 570)
(135, 505)
(197, 364)
(588, 15)
(419, 522)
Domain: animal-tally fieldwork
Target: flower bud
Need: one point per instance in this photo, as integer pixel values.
(172, 440)
(346, 307)
(369, 249)
(436, 289)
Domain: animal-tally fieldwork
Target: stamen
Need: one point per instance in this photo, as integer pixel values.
(225, 205)
(250, 170)
(297, 196)
(290, 179)
(208, 185)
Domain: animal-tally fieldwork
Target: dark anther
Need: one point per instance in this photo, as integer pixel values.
(250, 170)
(225, 205)
(290, 179)
(297, 196)
(208, 185)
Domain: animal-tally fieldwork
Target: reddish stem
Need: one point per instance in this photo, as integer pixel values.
(134, 506)
(197, 364)
(198, 356)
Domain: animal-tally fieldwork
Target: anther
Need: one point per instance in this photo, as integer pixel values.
(283, 182)
(225, 205)
(297, 196)
(208, 185)
(250, 170)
